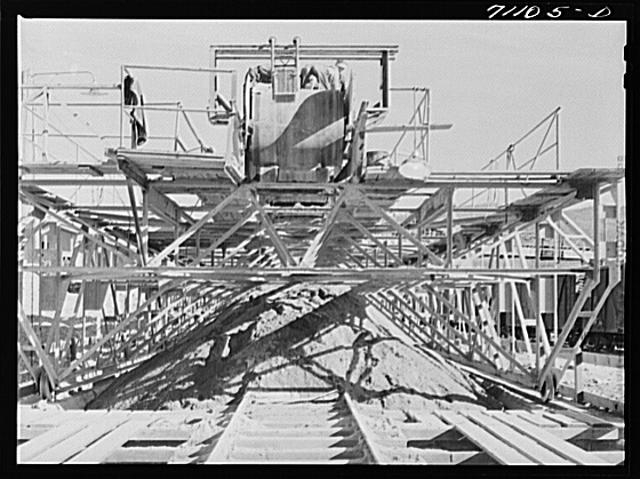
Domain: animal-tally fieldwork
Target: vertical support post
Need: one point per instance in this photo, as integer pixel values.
(538, 316)
(45, 129)
(419, 236)
(400, 246)
(414, 123)
(450, 227)
(427, 141)
(121, 109)
(596, 232)
(176, 125)
(513, 322)
(386, 257)
(620, 221)
(537, 244)
(145, 224)
(39, 280)
(384, 62)
(558, 140)
(578, 392)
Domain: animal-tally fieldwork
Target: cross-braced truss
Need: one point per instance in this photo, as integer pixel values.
(120, 282)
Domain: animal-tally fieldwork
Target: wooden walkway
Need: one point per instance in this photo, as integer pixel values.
(337, 430)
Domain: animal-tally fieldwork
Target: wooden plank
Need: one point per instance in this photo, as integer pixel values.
(547, 439)
(221, 450)
(497, 449)
(104, 447)
(28, 432)
(537, 419)
(365, 431)
(153, 433)
(562, 419)
(30, 449)
(71, 446)
(77, 415)
(148, 455)
(585, 418)
(525, 445)
(611, 457)
(30, 415)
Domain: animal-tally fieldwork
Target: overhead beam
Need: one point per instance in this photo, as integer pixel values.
(166, 208)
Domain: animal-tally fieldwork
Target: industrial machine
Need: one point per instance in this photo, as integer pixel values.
(298, 118)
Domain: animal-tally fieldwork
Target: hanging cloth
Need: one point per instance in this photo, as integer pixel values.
(133, 96)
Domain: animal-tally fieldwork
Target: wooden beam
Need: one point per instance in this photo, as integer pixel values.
(430, 208)
(500, 451)
(166, 208)
(550, 441)
(193, 228)
(474, 327)
(369, 235)
(227, 234)
(38, 348)
(522, 443)
(361, 249)
(400, 230)
(115, 248)
(101, 449)
(125, 322)
(283, 254)
(136, 221)
(587, 288)
(358, 156)
(310, 256)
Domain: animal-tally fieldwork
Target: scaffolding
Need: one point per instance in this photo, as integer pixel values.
(130, 278)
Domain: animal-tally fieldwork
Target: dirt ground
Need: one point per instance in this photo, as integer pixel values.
(603, 381)
(300, 337)
(307, 337)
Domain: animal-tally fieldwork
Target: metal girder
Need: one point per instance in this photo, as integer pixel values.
(568, 240)
(156, 260)
(240, 247)
(361, 249)
(400, 229)
(69, 222)
(369, 235)
(166, 208)
(473, 326)
(587, 289)
(430, 208)
(587, 327)
(136, 221)
(311, 254)
(38, 347)
(131, 170)
(283, 254)
(226, 235)
(86, 355)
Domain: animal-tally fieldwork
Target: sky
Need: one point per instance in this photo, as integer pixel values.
(491, 80)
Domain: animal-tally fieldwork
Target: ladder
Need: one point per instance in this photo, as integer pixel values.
(284, 70)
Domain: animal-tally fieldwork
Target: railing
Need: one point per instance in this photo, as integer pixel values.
(420, 116)
(180, 111)
(50, 139)
(506, 160)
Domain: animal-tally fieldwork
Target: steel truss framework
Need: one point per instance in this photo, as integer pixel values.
(438, 269)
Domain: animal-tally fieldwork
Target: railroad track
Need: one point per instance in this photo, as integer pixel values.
(322, 428)
(290, 427)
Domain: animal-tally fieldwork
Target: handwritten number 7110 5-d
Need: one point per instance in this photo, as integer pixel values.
(533, 11)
